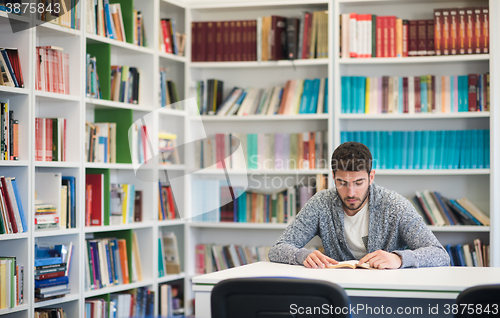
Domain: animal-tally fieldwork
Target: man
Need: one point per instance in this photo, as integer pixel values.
(359, 220)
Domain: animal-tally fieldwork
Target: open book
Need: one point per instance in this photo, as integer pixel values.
(351, 264)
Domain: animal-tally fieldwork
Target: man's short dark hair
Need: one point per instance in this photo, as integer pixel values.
(352, 156)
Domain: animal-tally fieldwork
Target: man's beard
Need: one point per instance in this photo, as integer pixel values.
(362, 201)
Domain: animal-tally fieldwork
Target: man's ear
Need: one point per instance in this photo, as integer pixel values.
(372, 176)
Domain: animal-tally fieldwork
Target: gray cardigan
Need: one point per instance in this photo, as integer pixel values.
(394, 226)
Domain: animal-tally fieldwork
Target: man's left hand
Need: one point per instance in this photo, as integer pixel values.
(382, 260)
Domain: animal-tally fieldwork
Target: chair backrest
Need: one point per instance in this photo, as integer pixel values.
(479, 301)
(278, 298)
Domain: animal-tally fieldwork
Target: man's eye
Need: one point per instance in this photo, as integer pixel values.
(359, 183)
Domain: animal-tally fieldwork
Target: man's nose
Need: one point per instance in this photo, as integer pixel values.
(351, 191)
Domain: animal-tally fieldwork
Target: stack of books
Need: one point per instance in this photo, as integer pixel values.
(126, 204)
(214, 257)
(470, 255)
(9, 138)
(50, 139)
(12, 282)
(171, 41)
(100, 142)
(70, 18)
(166, 204)
(12, 218)
(137, 302)
(10, 68)
(49, 313)
(52, 69)
(52, 264)
(171, 300)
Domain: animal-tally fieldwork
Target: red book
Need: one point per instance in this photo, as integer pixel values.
(379, 37)
(278, 42)
(385, 37)
(219, 150)
(412, 38)
(472, 92)
(461, 31)
(305, 38)
(486, 33)
(422, 37)
(38, 139)
(469, 33)
(392, 36)
(405, 37)
(405, 95)
(66, 73)
(8, 205)
(454, 31)
(430, 38)
(254, 40)
(417, 95)
(445, 36)
(50, 275)
(477, 30)
(166, 36)
(312, 150)
(225, 41)
(244, 41)
(218, 41)
(202, 41)
(437, 31)
(309, 35)
(232, 41)
(97, 183)
(171, 202)
(194, 46)
(238, 41)
(210, 41)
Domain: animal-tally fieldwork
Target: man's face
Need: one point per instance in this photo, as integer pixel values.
(353, 188)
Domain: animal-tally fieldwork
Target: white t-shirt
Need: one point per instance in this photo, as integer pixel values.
(356, 227)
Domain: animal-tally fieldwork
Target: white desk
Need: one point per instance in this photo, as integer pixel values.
(437, 283)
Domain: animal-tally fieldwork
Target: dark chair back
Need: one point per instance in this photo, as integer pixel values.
(278, 298)
(478, 301)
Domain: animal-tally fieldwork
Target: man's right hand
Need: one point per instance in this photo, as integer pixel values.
(317, 259)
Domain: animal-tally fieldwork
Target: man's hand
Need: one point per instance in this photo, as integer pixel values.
(382, 260)
(317, 258)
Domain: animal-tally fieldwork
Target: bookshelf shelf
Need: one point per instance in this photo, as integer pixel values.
(459, 228)
(171, 112)
(107, 228)
(102, 103)
(15, 17)
(257, 4)
(170, 222)
(119, 288)
(242, 225)
(415, 116)
(57, 164)
(263, 172)
(14, 163)
(5, 90)
(117, 166)
(412, 60)
(56, 30)
(54, 232)
(93, 38)
(172, 57)
(54, 97)
(172, 277)
(7, 237)
(432, 172)
(175, 3)
(13, 310)
(54, 302)
(207, 118)
(265, 64)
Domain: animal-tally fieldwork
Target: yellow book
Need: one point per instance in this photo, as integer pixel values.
(125, 204)
(399, 38)
(367, 96)
(3, 285)
(137, 256)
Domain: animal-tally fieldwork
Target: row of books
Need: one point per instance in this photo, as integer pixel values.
(9, 136)
(168, 90)
(309, 96)
(171, 300)
(49, 214)
(168, 254)
(415, 94)
(167, 146)
(107, 263)
(166, 203)
(452, 31)
(52, 265)
(138, 302)
(105, 19)
(438, 210)
(125, 203)
(125, 81)
(308, 150)
(12, 218)
(52, 70)
(70, 17)
(450, 149)
(92, 87)
(213, 257)
(12, 282)
(50, 139)
(100, 142)
(138, 142)
(49, 313)
(171, 41)
(470, 255)
(10, 68)
(268, 38)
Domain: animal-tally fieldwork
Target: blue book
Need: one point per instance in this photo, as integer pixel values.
(8, 65)
(442, 151)
(97, 268)
(48, 261)
(404, 150)
(305, 97)
(364, 138)
(464, 211)
(452, 94)
(242, 208)
(444, 207)
(357, 136)
(19, 205)
(411, 150)
(465, 86)
(460, 254)
(63, 280)
(423, 94)
(449, 153)
(376, 149)
(361, 94)
(468, 149)
(480, 149)
(425, 150)
(313, 105)
(107, 14)
(131, 199)
(370, 142)
(116, 259)
(474, 148)
(486, 149)
(343, 137)
(383, 149)
(345, 94)
(448, 249)
(108, 256)
(325, 100)
(432, 150)
(417, 162)
(397, 152)
(161, 200)
(400, 95)
(174, 38)
(353, 93)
